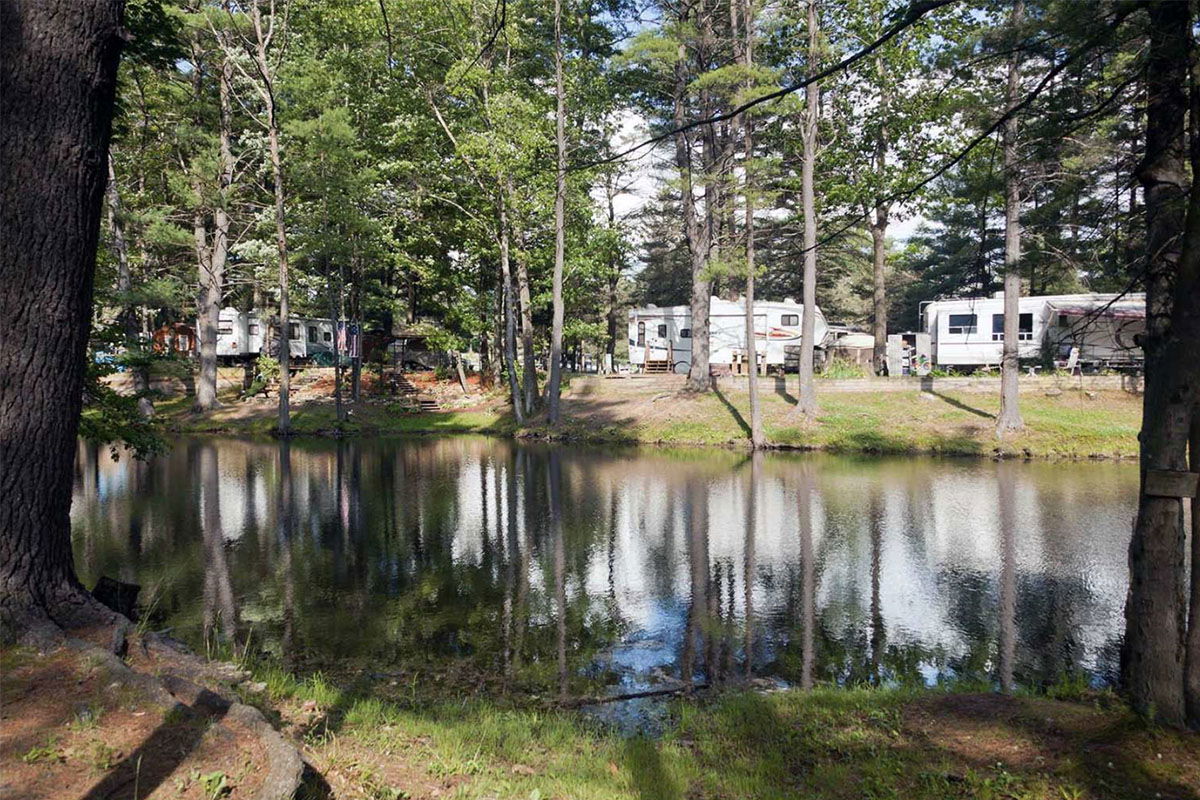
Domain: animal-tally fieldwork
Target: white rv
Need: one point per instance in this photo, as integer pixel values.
(242, 335)
(1100, 327)
(660, 339)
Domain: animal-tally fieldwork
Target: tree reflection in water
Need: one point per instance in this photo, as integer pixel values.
(520, 570)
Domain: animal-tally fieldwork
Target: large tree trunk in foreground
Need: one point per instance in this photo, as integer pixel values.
(1192, 654)
(807, 403)
(1009, 418)
(1152, 660)
(59, 62)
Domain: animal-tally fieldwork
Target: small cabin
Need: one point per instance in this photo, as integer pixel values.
(177, 338)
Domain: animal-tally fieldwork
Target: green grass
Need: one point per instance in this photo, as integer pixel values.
(827, 743)
(1072, 424)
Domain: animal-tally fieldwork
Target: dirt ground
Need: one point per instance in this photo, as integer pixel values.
(70, 728)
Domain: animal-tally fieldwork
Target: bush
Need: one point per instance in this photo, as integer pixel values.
(838, 368)
(266, 369)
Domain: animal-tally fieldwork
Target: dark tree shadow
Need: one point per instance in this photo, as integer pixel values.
(927, 387)
(737, 415)
(651, 780)
(145, 769)
(781, 390)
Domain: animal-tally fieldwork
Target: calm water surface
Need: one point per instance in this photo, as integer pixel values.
(531, 569)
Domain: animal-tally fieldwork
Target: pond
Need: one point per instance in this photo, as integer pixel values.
(488, 566)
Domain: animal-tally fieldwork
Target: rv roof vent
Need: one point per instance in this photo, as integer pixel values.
(790, 301)
(651, 305)
(998, 295)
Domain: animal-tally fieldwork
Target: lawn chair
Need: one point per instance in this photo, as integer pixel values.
(1071, 365)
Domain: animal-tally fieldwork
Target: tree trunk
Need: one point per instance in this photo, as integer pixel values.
(1189, 277)
(140, 372)
(285, 355)
(553, 389)
(1192, 654)
(59, 75)
(529, 369)
(694, 234)
(335, 313)
(510, 322)
(266, 87)
(807, 404)
(756, 432)
(614, 277)
(879, 309)
(1152, 660)
(1009, 418)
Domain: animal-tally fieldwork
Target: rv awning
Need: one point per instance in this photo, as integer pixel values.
(1124, 309)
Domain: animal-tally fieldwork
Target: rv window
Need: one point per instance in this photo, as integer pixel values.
(962, 323)
(294, 331)
(225, 330)
(662, 331)
(790, 320)
(685, 333)
(641, 342)
(328, 336)
(1024, 327)
(312, 333)
(253, 329)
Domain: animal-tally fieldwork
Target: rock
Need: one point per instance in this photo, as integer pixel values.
(120, 597)
(257, 687)
(1090, 395)
(285, 768)
(1053, 392)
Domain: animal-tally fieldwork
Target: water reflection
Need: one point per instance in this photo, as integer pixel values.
(510, 568)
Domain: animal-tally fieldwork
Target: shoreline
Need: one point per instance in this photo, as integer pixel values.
(254, 730)
(1076, 424)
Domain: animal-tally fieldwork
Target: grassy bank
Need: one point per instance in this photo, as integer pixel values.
(828, 743)
(381, 740)
(387, 741)
(1071, 424)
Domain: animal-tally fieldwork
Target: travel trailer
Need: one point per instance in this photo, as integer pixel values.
(660, 339)
(1102, 329)
(242, 335)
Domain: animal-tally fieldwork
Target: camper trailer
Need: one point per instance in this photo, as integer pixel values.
(243, 335)
(1100, 328)
(660, 339)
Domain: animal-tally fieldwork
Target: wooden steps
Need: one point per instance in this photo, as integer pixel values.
(402, 386)
(657, 367)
